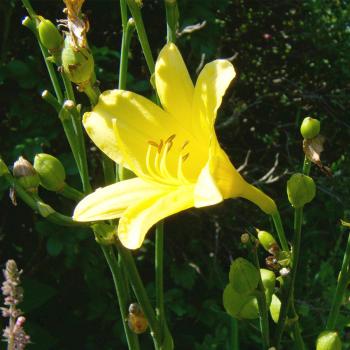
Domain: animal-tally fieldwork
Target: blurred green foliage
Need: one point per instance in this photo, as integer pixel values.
(292, 60)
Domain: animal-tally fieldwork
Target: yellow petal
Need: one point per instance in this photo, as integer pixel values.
(174, 85)
(110, 202)
(218, 179)
(139, 218)
(211, 85)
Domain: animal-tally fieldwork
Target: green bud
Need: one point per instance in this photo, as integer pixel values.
(269, 280)
(238, 305)
(301, 189)
(26, 175)
(275, 308)
(243, 276)
(328, 340)
(78, 64)
(267, 241)
(49, 35)
(51, 172)
(310, 128)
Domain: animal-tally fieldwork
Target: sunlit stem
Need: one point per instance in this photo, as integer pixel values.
(77, 125)
(118, 280)
(52, 100)
(34, 202)
(276, 217)
(260, 295)
(71, 193)
(140, 293)
(141, 32)
(171, 19)
(288, 293)
(343, 280)
(124, 58)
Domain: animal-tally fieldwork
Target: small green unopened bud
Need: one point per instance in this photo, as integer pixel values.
(78, 64)
(275, 308)
(301, 189)
(310, 128)
(49, 35)
(328, 340)
(238, 305)
(243, 276)
(26, 175)
(51, 172)
(267, 241)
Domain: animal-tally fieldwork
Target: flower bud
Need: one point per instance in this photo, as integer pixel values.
(238, 305)
(275, 308)
(328, 340)
(26, 175)
(267, 240)
(268, 280)
(245, 238)
(310, 128)
(78, 64)
(243, 276)
(49, 35)
(51, 172)
(301, 189)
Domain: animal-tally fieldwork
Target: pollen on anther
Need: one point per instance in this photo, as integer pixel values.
(160, 146)
(185, 144)
(152, 143)
(185, 156)
(170, 138)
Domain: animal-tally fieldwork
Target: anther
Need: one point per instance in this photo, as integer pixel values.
(170, 138)
(152, 143)
(185, 156)
(185, 144)
(160, 146)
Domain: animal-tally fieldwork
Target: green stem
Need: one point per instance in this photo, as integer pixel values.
(118, 280)
(140, 293)
(298, 339)
(234, 338)
(50, 68)
(71, 193)
(167, 340)
(34, 202)
(171, 19)
(124, 58)
(280, 231)
(92, 93)
(263, 310)
(80, 143)
(159, 271)
(289, 284)
(340, 290)
(136, 14)
(50, 99)
(108, 169)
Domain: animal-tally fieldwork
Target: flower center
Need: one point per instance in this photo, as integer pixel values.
(164, 167)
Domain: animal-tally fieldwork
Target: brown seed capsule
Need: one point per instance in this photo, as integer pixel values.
(137, 321)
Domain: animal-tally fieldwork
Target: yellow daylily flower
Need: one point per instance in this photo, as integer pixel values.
(173, 151)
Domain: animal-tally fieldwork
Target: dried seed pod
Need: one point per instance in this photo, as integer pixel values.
(26, 175)
(137, 321)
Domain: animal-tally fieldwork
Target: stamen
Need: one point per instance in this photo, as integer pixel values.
(148, 162)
